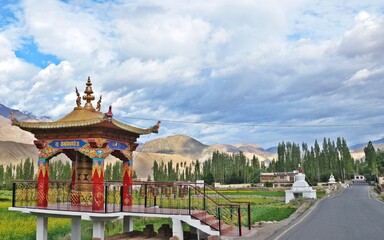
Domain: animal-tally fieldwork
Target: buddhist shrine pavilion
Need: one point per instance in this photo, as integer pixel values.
(87, 136)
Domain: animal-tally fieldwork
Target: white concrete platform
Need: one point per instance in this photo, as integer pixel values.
(99, 220)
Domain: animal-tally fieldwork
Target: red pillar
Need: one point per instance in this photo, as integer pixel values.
(42, 182)
(98, 184)
(127, 182)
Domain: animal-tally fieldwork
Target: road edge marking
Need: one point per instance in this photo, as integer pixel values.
(304, 217)
(370, 195)
(307, 213)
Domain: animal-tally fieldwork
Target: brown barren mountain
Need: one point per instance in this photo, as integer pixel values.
(175, 145)
(13, 152)
(17, 145)
(14, 134)
(143, 162)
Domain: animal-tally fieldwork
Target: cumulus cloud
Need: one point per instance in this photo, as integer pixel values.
(263, 71)
(365, 37)
(14, 72)
(63, 29)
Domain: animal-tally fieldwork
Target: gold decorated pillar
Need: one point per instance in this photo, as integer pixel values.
(45, 153)
(95, 152)
(42, 182)
(82, 193)
(98, 184)
(127, 182)
(128, 175)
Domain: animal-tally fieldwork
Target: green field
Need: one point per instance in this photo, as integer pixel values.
(16, 225)
(251, 193)
(265, 206)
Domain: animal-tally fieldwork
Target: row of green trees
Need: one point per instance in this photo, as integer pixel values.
(317, 161)
(374, 162)
(11, 172)
(221, 167)
(113, 172)
(58, 170)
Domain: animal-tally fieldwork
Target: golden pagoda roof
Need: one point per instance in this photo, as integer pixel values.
(85, 116)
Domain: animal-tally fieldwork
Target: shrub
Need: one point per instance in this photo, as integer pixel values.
(268, 184)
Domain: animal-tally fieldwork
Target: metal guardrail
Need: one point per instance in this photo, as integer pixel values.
(67, 196)
(181, 198)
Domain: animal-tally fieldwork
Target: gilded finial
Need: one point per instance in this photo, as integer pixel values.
(88, 97)
(78, 100)
(109, 114)
(98, 107)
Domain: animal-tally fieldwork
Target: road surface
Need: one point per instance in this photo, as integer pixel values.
(352, 215)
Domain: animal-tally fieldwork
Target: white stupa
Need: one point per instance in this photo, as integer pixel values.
(300, 188)
(331, 180)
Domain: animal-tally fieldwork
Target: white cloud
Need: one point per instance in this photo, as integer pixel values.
(55, 81)
(15, 74)
(361, 77)
(61, 29)
(365, 37)
(295, 61)
(162, 36)
(358, 78)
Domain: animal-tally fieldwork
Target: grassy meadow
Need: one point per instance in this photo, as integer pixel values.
(265, 206)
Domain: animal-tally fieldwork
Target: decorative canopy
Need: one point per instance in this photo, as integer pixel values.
(85, 120)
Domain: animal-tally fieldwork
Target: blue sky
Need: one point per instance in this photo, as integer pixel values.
(220, 71)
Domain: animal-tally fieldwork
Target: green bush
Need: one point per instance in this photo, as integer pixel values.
(268, 184)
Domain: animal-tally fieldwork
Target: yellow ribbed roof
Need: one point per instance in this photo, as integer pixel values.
(84, 116)
(81, 118)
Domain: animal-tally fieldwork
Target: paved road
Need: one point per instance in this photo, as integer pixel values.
(352, 215)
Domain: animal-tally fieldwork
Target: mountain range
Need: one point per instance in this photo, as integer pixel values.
(16, 144)
(22, 116)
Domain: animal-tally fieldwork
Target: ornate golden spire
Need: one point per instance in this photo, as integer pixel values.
(98, 106)
(78, 99)
(89, 97)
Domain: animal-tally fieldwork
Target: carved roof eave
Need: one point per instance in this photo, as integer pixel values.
(82, 123)
(141, 131)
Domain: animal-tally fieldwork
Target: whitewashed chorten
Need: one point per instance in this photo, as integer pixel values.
(300, 188)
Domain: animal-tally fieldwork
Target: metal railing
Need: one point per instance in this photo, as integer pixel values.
(198, 200)
(244, 208)
(67, 196)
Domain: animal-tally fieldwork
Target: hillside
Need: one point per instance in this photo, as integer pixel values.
(12, 133)
(13, 152)
(191, 148)
(16, 144)
(249, 150)
(175, 145)
(357, 151)
(377, 144)
(22, 116)
(143, 162)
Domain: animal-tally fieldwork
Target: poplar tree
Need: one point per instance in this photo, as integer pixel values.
(8, 176)
(1, 176)
(370, 157)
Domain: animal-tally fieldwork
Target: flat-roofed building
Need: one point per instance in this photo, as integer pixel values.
(278, 179)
